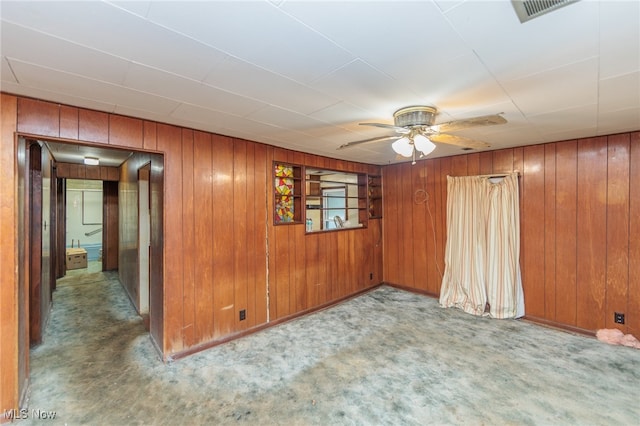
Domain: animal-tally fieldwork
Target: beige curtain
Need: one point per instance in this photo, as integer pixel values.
(482, 254)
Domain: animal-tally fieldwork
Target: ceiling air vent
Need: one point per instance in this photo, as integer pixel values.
(529, 9)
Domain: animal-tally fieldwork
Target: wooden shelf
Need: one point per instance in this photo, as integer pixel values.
(287, 193)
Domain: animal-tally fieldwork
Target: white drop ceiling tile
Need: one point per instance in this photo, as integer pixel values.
(526, 136)
(513, 50)
(506, 108)
(249, 31)
(36, 47)
(568, 86)
(184, 90)
(621, 92)
(619, 38)
(344, 115)
(216, 120)
(143, 114)
(431, 79)
(56, 97)
(6, 75)
(446, 5)
(367, 88)
(138, 7)
(383, 33)
(250, 81)
(73, 85)
(92, 24)
(472, 87)
(186, 57)
(623, 120)
(581, 120)
(285, 119)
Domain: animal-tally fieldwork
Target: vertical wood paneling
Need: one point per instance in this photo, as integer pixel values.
(550, 232)
(333, 285)
(202, 319)
(633, 308)
(503, 161)
(433, 243)
(473, 164)
(239, 223)
(253, 230)
(10, 350)
(190, 216)
(280, 272)
(566, 235)
(121, 201)
(405, 230)
(262, 170)
(110, 218)
(459, 165)
(38, 117)
(298, 301)
(445, 170)
(532, 229)
(578, 214)
(436, 221)
(125, 131)
(210, 275)
(420, 225)
(486, 163)
(69, 119)
(223, 237)
(592, 232)
(617, 249)
(390, 190)
(169, 138)
(157, 277)
(93, 126)
(92, 172)
(149, 135)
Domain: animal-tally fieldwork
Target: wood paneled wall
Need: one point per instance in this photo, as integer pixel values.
(579, 219)
(10, 362)
(81, 171)
(307, 271)
(222, 253)
(127, 231)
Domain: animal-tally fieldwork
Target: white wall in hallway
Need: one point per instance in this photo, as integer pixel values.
(84, 212)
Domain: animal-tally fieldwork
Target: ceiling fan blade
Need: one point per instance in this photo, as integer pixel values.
(485, 120)
(365, 141)
(388, 126)
(458, 141)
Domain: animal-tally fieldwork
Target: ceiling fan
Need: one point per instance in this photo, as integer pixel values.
(416, 131)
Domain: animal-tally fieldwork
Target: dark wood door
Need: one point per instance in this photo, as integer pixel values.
(35, 242)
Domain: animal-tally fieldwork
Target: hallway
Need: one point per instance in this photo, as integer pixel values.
(385, 357)
(93, 335)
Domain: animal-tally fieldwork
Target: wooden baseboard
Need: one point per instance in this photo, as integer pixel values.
(558, 326)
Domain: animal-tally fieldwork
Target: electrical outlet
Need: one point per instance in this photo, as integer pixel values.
(243, 314)
(618, 317)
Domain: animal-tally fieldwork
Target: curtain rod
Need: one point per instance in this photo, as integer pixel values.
(501, 174)
(492, 175)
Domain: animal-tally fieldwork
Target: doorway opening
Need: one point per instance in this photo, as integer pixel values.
(65, 203)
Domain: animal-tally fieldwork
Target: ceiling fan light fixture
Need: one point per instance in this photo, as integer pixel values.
(91, 161)
(403, 147)
(423, 144)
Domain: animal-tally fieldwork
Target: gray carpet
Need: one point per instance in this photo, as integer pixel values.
(385, 358)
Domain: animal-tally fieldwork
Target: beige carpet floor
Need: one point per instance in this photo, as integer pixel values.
(388, 357)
